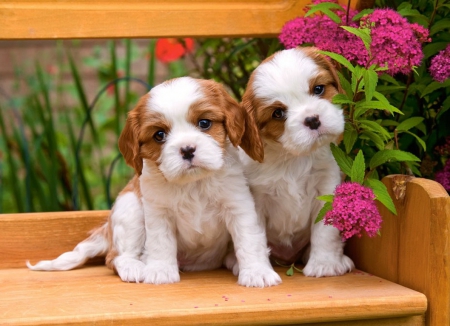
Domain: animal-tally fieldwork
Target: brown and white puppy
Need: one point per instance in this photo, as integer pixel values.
(289, 96)
(189, 193)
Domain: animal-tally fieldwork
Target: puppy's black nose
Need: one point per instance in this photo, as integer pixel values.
(312, 122)
(187, 152)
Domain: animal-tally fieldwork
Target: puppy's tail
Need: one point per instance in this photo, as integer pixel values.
(96, 245)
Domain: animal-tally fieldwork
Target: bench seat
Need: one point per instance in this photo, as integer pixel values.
(94, 295)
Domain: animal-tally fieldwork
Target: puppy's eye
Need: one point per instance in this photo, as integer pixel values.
(160, 136)
(279, 114)
(319, 89)
(204, 124)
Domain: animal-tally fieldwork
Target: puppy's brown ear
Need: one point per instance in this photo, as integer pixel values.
(241, 128)
(251, 142)
(326, 63)
(129, 138)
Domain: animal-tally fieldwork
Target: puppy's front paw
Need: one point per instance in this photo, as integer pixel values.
(129, 269)
(328, 267)
(159, 273)
(258, 276)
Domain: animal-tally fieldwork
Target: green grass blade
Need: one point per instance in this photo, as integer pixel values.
(52, 169)
(14, 182)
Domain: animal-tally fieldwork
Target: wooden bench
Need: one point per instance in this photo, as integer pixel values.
(403, 276)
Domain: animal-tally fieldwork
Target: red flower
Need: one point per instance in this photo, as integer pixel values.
(171, 49)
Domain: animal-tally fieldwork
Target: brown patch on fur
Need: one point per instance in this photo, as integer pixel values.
(328, 73)
(324, 78)
(268, 127)
(239, 126)
(136, 140)
(209, 109)
(133, 186)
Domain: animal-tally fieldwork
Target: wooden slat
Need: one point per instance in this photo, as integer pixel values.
(413, 249)
(94, 295)
(58, 19)
(40, 236)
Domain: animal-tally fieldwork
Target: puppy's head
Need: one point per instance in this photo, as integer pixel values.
(183, 126)
(289, 95)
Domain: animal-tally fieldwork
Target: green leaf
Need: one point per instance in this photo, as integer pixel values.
(370, 83)
(325, 8)
(363, 107)
(339, 58)
(404, 5)
(342, 99)
(375, 138)
(358, 168)
(431, 49)
(386, 155)
(389, 79)
(290, 271)
(361, 14)
(440, 25)
(345, 84)
(435, 86)
(381, 194)
(344, 161)
(325, 209)
(409, 123)
(375, 127)
(362, 33)
(350, 137)
(419, 140)
(326, 198)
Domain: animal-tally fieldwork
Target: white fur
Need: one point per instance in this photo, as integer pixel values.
(298, 167)
(188, 211)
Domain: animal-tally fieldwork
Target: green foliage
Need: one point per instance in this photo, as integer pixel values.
(392, 123)
(61, 157)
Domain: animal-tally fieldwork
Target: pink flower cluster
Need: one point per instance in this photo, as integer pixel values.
(353, 211)
(325, 34)
(395, 42)
(440, 65)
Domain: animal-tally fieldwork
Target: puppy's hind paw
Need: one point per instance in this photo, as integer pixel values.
(130, 270)
(332, 267)
(258, 276)
(231, 263)
(157, 273)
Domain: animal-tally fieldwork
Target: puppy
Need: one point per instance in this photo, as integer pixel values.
(189, 193)
(289, 96)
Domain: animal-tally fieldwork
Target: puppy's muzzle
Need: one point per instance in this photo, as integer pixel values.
(187, 153)
(312, 122)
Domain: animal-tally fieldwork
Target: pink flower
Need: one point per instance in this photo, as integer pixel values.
(443, 176)
(322, 32)
(440, 65)
(395, 42)
(353, 211)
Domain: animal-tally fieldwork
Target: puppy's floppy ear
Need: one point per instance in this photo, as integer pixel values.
(326, 63)
(252, 144)
(241, 128)
(129, 138)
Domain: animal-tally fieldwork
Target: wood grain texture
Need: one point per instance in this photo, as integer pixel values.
(413, 249)
(58, 19)
(94, 295)
(38, 236)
